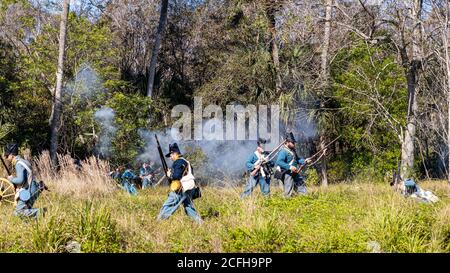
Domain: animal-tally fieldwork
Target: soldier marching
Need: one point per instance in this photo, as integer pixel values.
(183, 188)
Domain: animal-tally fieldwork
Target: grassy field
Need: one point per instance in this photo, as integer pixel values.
(356, 217)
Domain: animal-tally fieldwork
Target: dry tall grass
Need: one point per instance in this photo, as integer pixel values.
(86, 181)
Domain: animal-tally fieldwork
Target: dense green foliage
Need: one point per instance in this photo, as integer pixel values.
(224, 52)
(369, 87)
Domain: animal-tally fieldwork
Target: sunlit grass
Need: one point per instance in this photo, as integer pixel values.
(351, 217)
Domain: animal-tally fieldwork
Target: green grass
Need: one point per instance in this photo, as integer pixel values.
(341, 218)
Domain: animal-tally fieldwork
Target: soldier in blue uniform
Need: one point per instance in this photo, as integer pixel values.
(177, 196)
(258, 174)
(127, 180)
(28, 189)
(116, 174)
(146, 174)
(291, 167)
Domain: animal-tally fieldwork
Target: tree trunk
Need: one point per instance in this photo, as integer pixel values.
(407, 162)
(325, 77)
(270, 12)
(326, 44)
(57, 105)
(157, 46)
(445, 38)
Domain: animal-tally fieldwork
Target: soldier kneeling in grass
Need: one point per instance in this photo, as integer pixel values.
(28, 189)
(128, 178)
(181, 177)
(147, 174)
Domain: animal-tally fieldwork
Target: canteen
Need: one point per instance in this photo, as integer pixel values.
(24, 195)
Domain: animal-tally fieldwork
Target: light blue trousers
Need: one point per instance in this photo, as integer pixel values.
(264, 184)
(26, 208)
(293, 184)
(174, 200)
(129, 187)
(146, 183)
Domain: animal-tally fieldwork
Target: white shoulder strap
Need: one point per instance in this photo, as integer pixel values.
(292, 154)
(259, 156)
(189, 167)
(28, 169)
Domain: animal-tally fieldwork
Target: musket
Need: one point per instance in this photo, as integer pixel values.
(163, 160)
(269, 156)
(263, 161)
(326, 146)
(321, 152)
(274, 151)
(4, 165)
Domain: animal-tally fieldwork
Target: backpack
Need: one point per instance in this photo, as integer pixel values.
(188, 180)
(188, 183)
(410, 187)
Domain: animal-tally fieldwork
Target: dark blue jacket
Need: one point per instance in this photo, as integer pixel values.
(285, 157)
(179, 168)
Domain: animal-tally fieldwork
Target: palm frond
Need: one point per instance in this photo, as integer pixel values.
(5, 130)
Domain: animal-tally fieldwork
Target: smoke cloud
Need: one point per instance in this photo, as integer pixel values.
(86, 85)
(225, 159)
(105, 117)
(82, 92)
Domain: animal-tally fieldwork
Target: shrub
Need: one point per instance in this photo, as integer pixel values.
(96, 230)
(51, 234)
(266, 237)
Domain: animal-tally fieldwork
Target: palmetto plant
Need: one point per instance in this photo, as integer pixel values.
(5, 130)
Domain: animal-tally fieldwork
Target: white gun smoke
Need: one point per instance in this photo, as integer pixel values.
(105, 117)
(85, 85)
(224, 158)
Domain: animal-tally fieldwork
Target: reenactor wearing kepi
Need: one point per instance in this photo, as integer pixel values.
(291, 167)
(28, 190)
(181, 169)
(258, 174)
